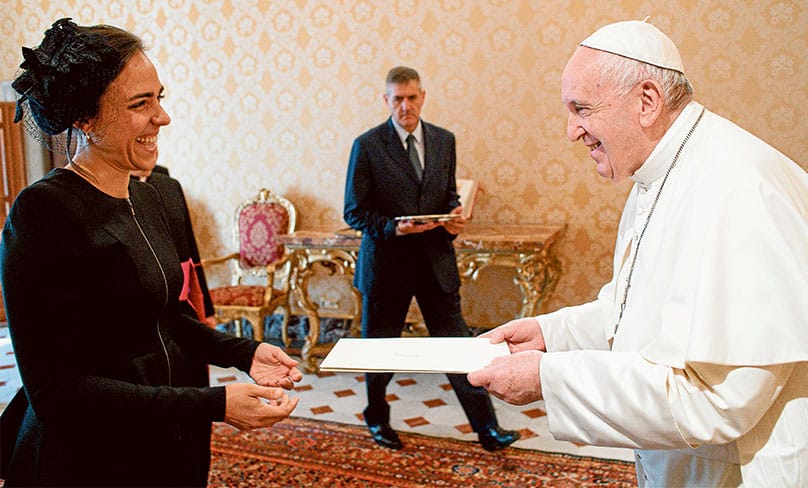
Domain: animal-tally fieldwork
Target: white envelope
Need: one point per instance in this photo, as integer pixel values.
(412, 354)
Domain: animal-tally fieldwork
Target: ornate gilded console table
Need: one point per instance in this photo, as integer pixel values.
(528, 249)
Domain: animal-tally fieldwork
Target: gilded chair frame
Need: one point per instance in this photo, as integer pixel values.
(279, 270)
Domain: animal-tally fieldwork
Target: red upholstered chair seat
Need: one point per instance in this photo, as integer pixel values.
(251, 296)
(258, 222)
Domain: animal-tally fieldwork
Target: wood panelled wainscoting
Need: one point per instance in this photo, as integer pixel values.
(12, 169)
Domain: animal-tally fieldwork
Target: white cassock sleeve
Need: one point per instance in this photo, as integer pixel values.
(577, 327)
(621, 400)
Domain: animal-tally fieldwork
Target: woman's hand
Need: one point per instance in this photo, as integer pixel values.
(273, 367)
(251, 406)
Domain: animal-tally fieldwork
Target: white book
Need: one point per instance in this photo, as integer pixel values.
(467, 190)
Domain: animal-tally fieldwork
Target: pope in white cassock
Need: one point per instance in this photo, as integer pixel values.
(695, 354)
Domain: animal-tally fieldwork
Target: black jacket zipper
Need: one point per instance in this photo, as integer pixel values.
(165, 284)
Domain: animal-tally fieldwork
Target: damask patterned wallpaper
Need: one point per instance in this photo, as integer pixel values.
(272, 93)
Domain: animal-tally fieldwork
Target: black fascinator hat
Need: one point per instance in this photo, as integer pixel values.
(62, 79)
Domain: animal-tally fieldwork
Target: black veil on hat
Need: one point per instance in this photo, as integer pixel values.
(62, 81)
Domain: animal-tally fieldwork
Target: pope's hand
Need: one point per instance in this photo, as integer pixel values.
(514, 378)
(520, 334)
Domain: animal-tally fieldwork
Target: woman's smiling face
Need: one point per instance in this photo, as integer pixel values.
(124, 132)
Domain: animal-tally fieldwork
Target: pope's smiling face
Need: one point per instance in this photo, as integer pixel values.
(605, 121)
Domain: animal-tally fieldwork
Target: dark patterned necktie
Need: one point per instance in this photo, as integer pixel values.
(412, 152)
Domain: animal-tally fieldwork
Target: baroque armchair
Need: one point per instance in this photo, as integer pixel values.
(258, 222)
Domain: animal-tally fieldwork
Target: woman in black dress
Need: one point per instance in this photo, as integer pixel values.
(110, 366)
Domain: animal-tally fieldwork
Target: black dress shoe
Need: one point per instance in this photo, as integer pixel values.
(385, 436)
(494, 438)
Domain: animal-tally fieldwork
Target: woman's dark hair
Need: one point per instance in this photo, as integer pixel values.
(64, 77)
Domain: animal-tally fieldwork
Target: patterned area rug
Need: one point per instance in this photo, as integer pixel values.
(305, 452)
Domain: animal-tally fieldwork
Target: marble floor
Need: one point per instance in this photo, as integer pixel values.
(420, 403)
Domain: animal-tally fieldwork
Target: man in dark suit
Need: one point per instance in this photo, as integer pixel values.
(405, 167)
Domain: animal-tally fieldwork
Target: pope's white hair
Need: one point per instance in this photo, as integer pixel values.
(624, 74)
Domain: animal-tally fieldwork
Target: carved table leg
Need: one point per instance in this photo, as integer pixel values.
(337, 261)
(537, 273)
(537, 276)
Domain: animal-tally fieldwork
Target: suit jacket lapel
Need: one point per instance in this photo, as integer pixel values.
(397, 152)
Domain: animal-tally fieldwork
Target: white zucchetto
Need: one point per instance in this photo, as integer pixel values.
(637, 39)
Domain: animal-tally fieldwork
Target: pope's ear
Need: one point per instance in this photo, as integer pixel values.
(653, 101)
